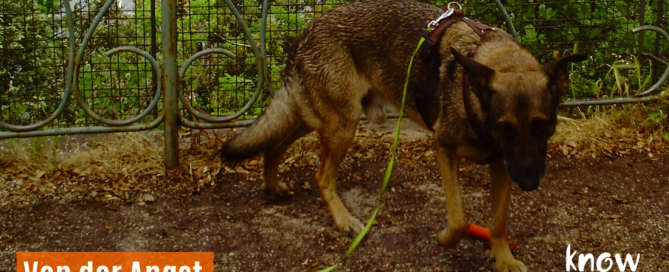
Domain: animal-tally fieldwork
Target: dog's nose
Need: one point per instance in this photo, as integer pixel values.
(529, 183)
(529, 186)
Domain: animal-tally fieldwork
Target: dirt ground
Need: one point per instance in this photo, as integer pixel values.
(604, 204)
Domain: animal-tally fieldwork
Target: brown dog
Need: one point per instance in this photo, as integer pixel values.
(354, 58)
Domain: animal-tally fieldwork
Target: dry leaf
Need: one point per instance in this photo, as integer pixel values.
(290, 160)
(215, 172)
(239, 169)
(149, 198)
(229, 169)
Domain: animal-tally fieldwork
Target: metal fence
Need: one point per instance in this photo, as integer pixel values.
(603, 30)
(99, 66)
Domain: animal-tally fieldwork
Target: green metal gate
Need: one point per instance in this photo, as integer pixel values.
(165, 76)
(212, 68)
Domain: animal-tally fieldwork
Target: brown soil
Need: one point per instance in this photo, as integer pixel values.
(615, 205)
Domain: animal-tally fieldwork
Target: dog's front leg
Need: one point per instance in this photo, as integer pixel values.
(500, 189)
(457, 221)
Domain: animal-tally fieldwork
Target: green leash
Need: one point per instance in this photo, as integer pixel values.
(389, 170)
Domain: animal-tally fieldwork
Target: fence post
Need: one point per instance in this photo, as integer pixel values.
(642, 19)
(658, 23)
(154, 52)
(170, 83)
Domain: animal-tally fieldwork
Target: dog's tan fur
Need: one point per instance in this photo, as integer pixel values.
(353, 59)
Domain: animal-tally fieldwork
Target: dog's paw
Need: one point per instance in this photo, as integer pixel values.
(511, 265)
(350, 225)
(278, 191)
(450, 238)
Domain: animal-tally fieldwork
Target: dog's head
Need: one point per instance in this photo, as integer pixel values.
(521, 112)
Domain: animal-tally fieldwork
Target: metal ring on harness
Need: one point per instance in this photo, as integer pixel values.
(444, 15)
(454, 3)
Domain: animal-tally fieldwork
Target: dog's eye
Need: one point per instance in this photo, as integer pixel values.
(540, 128)
(506, 130)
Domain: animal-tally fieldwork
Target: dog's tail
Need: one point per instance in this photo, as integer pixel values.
(278, 120)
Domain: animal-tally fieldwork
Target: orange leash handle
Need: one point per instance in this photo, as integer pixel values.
(483, 233)
(479, 231)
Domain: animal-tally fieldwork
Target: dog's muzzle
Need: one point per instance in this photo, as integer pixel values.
(527, 185)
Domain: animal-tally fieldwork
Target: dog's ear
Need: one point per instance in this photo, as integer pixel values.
(558, 74)
(480, 76)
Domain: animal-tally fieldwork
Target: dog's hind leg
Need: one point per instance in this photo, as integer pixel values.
(335, 141)
(500, 188)
(272, 158)
(457, 226)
